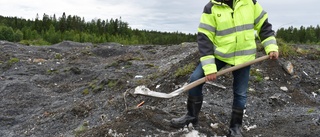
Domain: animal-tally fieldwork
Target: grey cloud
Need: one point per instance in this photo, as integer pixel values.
(182, 16)
(287, 13)
(161, 15)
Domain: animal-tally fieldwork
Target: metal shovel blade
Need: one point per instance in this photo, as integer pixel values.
(142, 90)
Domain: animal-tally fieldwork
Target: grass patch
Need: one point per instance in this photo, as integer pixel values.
(257, 75)
(52, 71)
(113, 64)
(95, 87)
(86, 52)
(187, 69)
(13, 61)
(39, 42)
(85, 91)
(8, 64)
(81, 129)
(124, 64)
(149, 65)
(57, 56)
(310, 110)
(285, 50)
(112, 83)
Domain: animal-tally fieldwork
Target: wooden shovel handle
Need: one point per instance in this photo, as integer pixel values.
(202, 80)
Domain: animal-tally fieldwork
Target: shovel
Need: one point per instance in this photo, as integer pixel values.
(142, 90)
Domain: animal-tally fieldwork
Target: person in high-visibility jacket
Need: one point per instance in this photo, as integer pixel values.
(226, 35)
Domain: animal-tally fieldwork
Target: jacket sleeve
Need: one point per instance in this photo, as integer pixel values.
(206, 34)
(264, 29)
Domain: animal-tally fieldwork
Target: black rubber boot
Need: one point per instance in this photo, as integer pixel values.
(193, 106)
(236, 123)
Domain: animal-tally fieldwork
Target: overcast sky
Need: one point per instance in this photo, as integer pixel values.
(160, 15)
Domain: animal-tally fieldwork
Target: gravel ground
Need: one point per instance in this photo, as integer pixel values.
(83, 89)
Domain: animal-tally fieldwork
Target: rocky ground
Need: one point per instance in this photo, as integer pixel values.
(86, 90)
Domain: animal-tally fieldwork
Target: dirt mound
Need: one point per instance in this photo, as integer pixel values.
(83, 89)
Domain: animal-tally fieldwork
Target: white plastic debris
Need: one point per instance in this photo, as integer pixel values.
(244, 113)
(314, 94)
(138, 76)
(157, 86)
(251, 89)
(305, 73)
(215, 125)
(250, 127)
(284, 88)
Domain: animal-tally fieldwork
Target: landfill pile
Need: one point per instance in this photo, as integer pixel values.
(87, 90)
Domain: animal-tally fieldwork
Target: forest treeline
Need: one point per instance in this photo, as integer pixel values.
(302, 35)
(50, 30)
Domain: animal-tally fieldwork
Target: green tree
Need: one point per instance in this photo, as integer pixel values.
(52, 36)
(6, 33)
(46, 22)
(18, 36)
(63, 23)
(311, 35)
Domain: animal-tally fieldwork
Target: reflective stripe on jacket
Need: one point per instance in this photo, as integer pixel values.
(228, 34)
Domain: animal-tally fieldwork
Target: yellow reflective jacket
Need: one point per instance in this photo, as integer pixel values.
(228, 33)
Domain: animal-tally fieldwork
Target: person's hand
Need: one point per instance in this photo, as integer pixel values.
(211, 77)
(273, 55)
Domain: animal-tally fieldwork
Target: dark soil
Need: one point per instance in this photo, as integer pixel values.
(86, 90)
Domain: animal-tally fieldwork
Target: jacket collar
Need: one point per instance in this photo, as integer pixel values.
(222, 2)
(219, 1)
